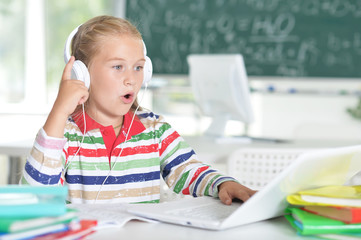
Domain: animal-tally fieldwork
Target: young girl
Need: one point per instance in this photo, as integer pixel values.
(114, 151)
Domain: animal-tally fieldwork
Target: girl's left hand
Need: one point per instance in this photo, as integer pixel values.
(230, 190)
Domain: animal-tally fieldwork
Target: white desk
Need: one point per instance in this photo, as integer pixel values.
(277, 228)
(17, 148)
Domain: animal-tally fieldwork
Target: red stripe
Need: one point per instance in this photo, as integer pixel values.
(88, 152)
(196, 174)
(66, 156)
(167, 141)
(136, 150)
(102, 152)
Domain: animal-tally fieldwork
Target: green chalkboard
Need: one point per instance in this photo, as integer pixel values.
(318, 38)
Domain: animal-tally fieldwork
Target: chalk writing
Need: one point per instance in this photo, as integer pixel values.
(276, 37)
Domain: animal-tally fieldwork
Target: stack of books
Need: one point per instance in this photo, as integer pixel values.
(39, 212)
(332, 212)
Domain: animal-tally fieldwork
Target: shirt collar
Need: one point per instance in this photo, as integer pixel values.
(136, 128)
(91, 124)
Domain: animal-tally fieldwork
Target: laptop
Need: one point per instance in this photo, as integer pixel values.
(312, 169)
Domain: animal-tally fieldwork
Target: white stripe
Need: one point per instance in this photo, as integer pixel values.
(178, 153)
(42, 168)
(114, 172)
(51, 153)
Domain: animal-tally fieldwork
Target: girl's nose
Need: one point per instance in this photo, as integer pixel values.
(129, 79)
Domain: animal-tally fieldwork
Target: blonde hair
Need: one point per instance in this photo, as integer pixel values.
(87, 41)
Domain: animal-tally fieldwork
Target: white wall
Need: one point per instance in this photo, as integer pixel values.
(307, 116)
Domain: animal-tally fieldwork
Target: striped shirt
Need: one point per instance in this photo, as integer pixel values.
(129, 171)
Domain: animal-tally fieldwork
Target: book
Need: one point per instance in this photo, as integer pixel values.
(30, 234)
(308, 223)
(345, 214)
(341, 236)
(328, 196)
(32, 201)
(16, 224)
(81, 229)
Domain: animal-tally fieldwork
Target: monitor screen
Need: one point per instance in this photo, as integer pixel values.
(220, 88)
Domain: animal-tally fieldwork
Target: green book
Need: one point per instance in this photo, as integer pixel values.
(32, 201)
(15, 225)
(307, 223)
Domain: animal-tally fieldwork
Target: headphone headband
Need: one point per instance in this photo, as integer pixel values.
(67, 44)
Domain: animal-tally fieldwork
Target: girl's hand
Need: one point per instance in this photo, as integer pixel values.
(71, 93)
(230, 190)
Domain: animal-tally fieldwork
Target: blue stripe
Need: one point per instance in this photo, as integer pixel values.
(148, 114)
(199, 181)
(98, 180)
(40, 177)
(221, 179)
(178, 160)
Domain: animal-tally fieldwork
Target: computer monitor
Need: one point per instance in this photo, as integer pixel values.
(221, 90)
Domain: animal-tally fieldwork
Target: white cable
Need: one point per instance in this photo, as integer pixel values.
(82, 140)
(126, 140)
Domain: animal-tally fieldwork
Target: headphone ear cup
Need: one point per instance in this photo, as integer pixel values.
(148, 70)
(80, 72)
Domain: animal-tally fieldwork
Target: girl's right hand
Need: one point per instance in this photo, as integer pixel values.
(72, 92)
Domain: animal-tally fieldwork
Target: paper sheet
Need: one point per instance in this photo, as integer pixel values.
(108, 215)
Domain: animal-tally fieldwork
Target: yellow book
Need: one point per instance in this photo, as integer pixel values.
(328, 196)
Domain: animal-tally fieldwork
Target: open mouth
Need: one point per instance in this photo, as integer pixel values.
(128, 98)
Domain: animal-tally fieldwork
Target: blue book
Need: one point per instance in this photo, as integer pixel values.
(32, 201)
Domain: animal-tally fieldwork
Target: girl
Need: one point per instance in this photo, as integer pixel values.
(101, 144)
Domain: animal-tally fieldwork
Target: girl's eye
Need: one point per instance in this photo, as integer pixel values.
(119, 67)
(138, 68)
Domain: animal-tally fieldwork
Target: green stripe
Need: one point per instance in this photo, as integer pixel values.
(119, 166)
(180, 184)
(180, 145)
(206, 191)
(150, 135)
(162, 129)
(142, 136)
(78, 138)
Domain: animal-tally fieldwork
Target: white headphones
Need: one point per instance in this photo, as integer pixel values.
(80, 71)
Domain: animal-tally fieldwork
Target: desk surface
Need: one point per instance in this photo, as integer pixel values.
(277, 228)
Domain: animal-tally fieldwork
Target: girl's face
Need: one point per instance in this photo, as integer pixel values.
(116, 76)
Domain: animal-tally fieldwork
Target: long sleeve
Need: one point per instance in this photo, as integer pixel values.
(44, 164)
(181, 169)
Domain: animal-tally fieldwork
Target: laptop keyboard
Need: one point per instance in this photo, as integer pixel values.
(212, 211)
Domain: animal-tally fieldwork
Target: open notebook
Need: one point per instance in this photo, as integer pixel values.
(310, 170)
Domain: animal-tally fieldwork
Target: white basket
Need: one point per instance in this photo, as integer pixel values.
(255, 168)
